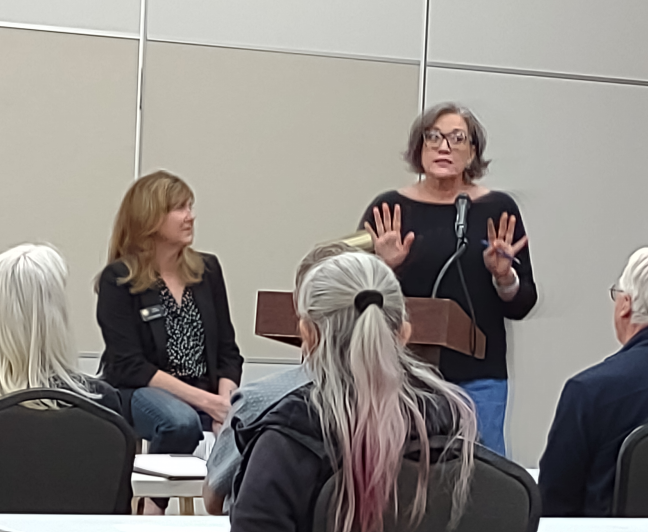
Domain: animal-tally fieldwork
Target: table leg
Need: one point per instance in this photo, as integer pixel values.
(186, 506)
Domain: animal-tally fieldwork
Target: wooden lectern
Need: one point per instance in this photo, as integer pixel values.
(436, 323)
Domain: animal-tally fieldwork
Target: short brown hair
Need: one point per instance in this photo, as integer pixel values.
(476, 132)
(140, 216)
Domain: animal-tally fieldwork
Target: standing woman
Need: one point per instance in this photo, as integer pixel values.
(413, 231)
(163, 312)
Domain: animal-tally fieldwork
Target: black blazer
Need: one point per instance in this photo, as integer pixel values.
(137, 349)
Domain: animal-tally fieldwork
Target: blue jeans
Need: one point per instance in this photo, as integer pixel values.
(489, 396)
(168, 423)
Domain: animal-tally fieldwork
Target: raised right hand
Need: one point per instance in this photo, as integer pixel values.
(388, 244)
(216, 406)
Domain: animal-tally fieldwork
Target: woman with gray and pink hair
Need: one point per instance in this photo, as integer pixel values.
(369, 398)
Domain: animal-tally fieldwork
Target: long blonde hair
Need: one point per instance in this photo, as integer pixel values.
(140, 216)
(36, 347)
(364, 394)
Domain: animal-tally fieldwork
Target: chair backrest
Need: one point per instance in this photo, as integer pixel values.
(77, 459)
(631, 483)
(503, 498)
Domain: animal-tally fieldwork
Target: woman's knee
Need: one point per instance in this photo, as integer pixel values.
(167, 415)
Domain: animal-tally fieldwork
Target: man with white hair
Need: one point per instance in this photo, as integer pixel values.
(599, 407)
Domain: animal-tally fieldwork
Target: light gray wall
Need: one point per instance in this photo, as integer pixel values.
(279, 169)
(287, 118)
(562, 88)
(67, 104)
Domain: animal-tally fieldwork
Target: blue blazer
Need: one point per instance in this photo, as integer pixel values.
(597, 410)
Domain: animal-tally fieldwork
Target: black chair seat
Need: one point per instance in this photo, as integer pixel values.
(631, 483)
(503, 498)
(76, 459)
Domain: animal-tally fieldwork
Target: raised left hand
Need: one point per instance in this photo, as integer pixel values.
(497, 256)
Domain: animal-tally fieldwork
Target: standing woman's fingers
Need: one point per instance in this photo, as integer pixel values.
(510, 229)
(408, 241)
(396, 226)
(370, 230)
(519, 245)
(387, 221)
(501, 233)
(492, 235)
(380, 229)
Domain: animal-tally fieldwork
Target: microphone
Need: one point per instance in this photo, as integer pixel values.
(462, 204)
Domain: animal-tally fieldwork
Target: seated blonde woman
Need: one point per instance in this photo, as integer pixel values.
(368, 399)
(36, 347)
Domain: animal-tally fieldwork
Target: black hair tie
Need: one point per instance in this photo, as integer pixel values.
(367, 297)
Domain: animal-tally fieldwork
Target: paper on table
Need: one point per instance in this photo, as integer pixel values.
(173, 467)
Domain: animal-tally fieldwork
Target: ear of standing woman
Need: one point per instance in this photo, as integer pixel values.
(164, 316)
(413, 231)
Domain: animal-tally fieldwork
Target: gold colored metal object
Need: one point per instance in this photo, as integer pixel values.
(360, 239)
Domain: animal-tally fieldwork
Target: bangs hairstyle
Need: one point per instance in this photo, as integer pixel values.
(364, 394)
(476, 133)
(36, 347)
(140, 216)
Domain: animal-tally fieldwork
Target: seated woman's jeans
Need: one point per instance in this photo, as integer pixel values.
(168, 423)
(489, 396)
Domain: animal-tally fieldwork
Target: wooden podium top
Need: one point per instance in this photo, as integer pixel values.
(435, 322)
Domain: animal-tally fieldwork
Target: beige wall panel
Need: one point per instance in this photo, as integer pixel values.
(68, 119)
(571, 153)
(391, 28)
(120, 16)
(589, 37)
(283, 152)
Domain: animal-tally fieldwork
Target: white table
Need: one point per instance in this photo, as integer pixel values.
(152, 486)
(552, 524)
(139, 523)
(112, 523)
(534, 473)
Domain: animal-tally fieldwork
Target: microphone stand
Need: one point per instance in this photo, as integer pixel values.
(462, 245)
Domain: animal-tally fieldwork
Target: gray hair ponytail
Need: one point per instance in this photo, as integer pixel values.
(363, 392)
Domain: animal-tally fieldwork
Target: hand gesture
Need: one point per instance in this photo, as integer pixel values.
(501, 250)
(387, 240)
(216, 406)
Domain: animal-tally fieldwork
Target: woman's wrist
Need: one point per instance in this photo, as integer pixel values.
(507, 280)
(226, 387)
(507, 286)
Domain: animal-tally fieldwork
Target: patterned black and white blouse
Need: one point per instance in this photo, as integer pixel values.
(185, 334)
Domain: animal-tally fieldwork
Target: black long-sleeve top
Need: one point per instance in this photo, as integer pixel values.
(433, 225)
(136, 349)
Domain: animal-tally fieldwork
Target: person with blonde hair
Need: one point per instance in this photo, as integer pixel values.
(164, 315)
(36, 347)
(368, 400)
